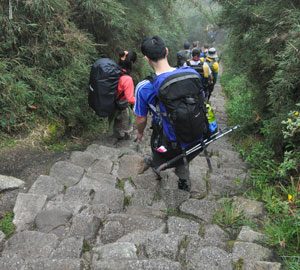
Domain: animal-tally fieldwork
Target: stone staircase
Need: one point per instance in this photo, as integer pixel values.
(100, 211)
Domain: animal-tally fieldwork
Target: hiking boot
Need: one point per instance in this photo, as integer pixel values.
(148, 162)
(183, 185)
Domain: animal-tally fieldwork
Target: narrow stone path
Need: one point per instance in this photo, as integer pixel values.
(97, 211)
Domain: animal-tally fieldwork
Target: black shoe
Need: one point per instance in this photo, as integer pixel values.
(147, 163)
(183, 185)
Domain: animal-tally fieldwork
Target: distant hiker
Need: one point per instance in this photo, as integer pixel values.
(212, 60)
(111, 90)
(204, 51)
(201, 67)
(184, 54)
(123, 125)
(174, 97)
(196, 45)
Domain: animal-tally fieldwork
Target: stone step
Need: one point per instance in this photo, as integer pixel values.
(158, 264)
(127, 223)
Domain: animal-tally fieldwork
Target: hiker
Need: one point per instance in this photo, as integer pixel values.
(122, 118)
(184, 54)
(168, 140)
(212, 60)
(204, 51)
(201, 67)
(195, 45)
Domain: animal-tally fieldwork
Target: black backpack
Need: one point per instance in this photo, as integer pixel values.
(104, 78)
(182, 97)
(198, 67)
(182, 57)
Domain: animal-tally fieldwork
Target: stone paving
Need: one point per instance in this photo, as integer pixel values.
(100, 211)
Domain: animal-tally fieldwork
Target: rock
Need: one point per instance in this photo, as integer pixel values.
(58, 202)
(198, 184)
(128, 189)
(215, 236)
(102, 166)
(30, 244)
(199, 164)
(250, 208)
(48, 220)
(82, 159)
(250, 252)
(84, 225)
(76, 194)
(248, 235)
(103, 152)
(98, 210)
(111, 232)
(162, 246)
(142, 198)
(159, 264)
(115, 251)
(26, 208)
(182, 226)
(136, 222)
(226, 184)
(157, 209)
(174, 197)
(207, 238)
(66, 173)
(11, 262)
(250, 265)
(139, 237)
(10, 183)
(51, 264)
(130, 166)
(202, 209)
(112, 197)
(8, 201)
(147, 180)
(2, 240)
(169, 180)
(69, 248)
(46, 185)
(211, 258)
(91, 182)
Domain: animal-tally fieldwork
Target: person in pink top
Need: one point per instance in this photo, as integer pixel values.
(123, 125)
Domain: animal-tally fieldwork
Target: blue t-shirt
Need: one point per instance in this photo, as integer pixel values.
(146, 99)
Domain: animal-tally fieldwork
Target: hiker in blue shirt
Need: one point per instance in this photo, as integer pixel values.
(165, 145)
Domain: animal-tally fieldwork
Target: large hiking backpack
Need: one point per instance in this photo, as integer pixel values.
(182, 57)
(214, 74)
(104, 78)
(198, 67)
(182, 104)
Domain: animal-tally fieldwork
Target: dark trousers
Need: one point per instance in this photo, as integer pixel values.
(173, 149)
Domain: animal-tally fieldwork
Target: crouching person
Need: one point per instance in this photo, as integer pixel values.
(175, 99)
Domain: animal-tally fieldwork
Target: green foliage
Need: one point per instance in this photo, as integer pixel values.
(263, 47)
(47, 47)
(229, 218)
(6, 224)
(241, 107)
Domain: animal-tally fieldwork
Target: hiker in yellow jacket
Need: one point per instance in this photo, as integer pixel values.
(212, 60)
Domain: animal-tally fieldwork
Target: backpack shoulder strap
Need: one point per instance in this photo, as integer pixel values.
(178, 77)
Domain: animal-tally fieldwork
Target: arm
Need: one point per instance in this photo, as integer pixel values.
(141, 123)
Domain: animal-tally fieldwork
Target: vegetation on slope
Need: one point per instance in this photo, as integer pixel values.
(261, 80)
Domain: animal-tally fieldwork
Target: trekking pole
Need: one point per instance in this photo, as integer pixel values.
(197, 147)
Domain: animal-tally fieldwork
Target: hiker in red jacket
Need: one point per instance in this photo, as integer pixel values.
(125, 96)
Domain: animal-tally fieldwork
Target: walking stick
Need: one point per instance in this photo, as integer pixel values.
(197, 147)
